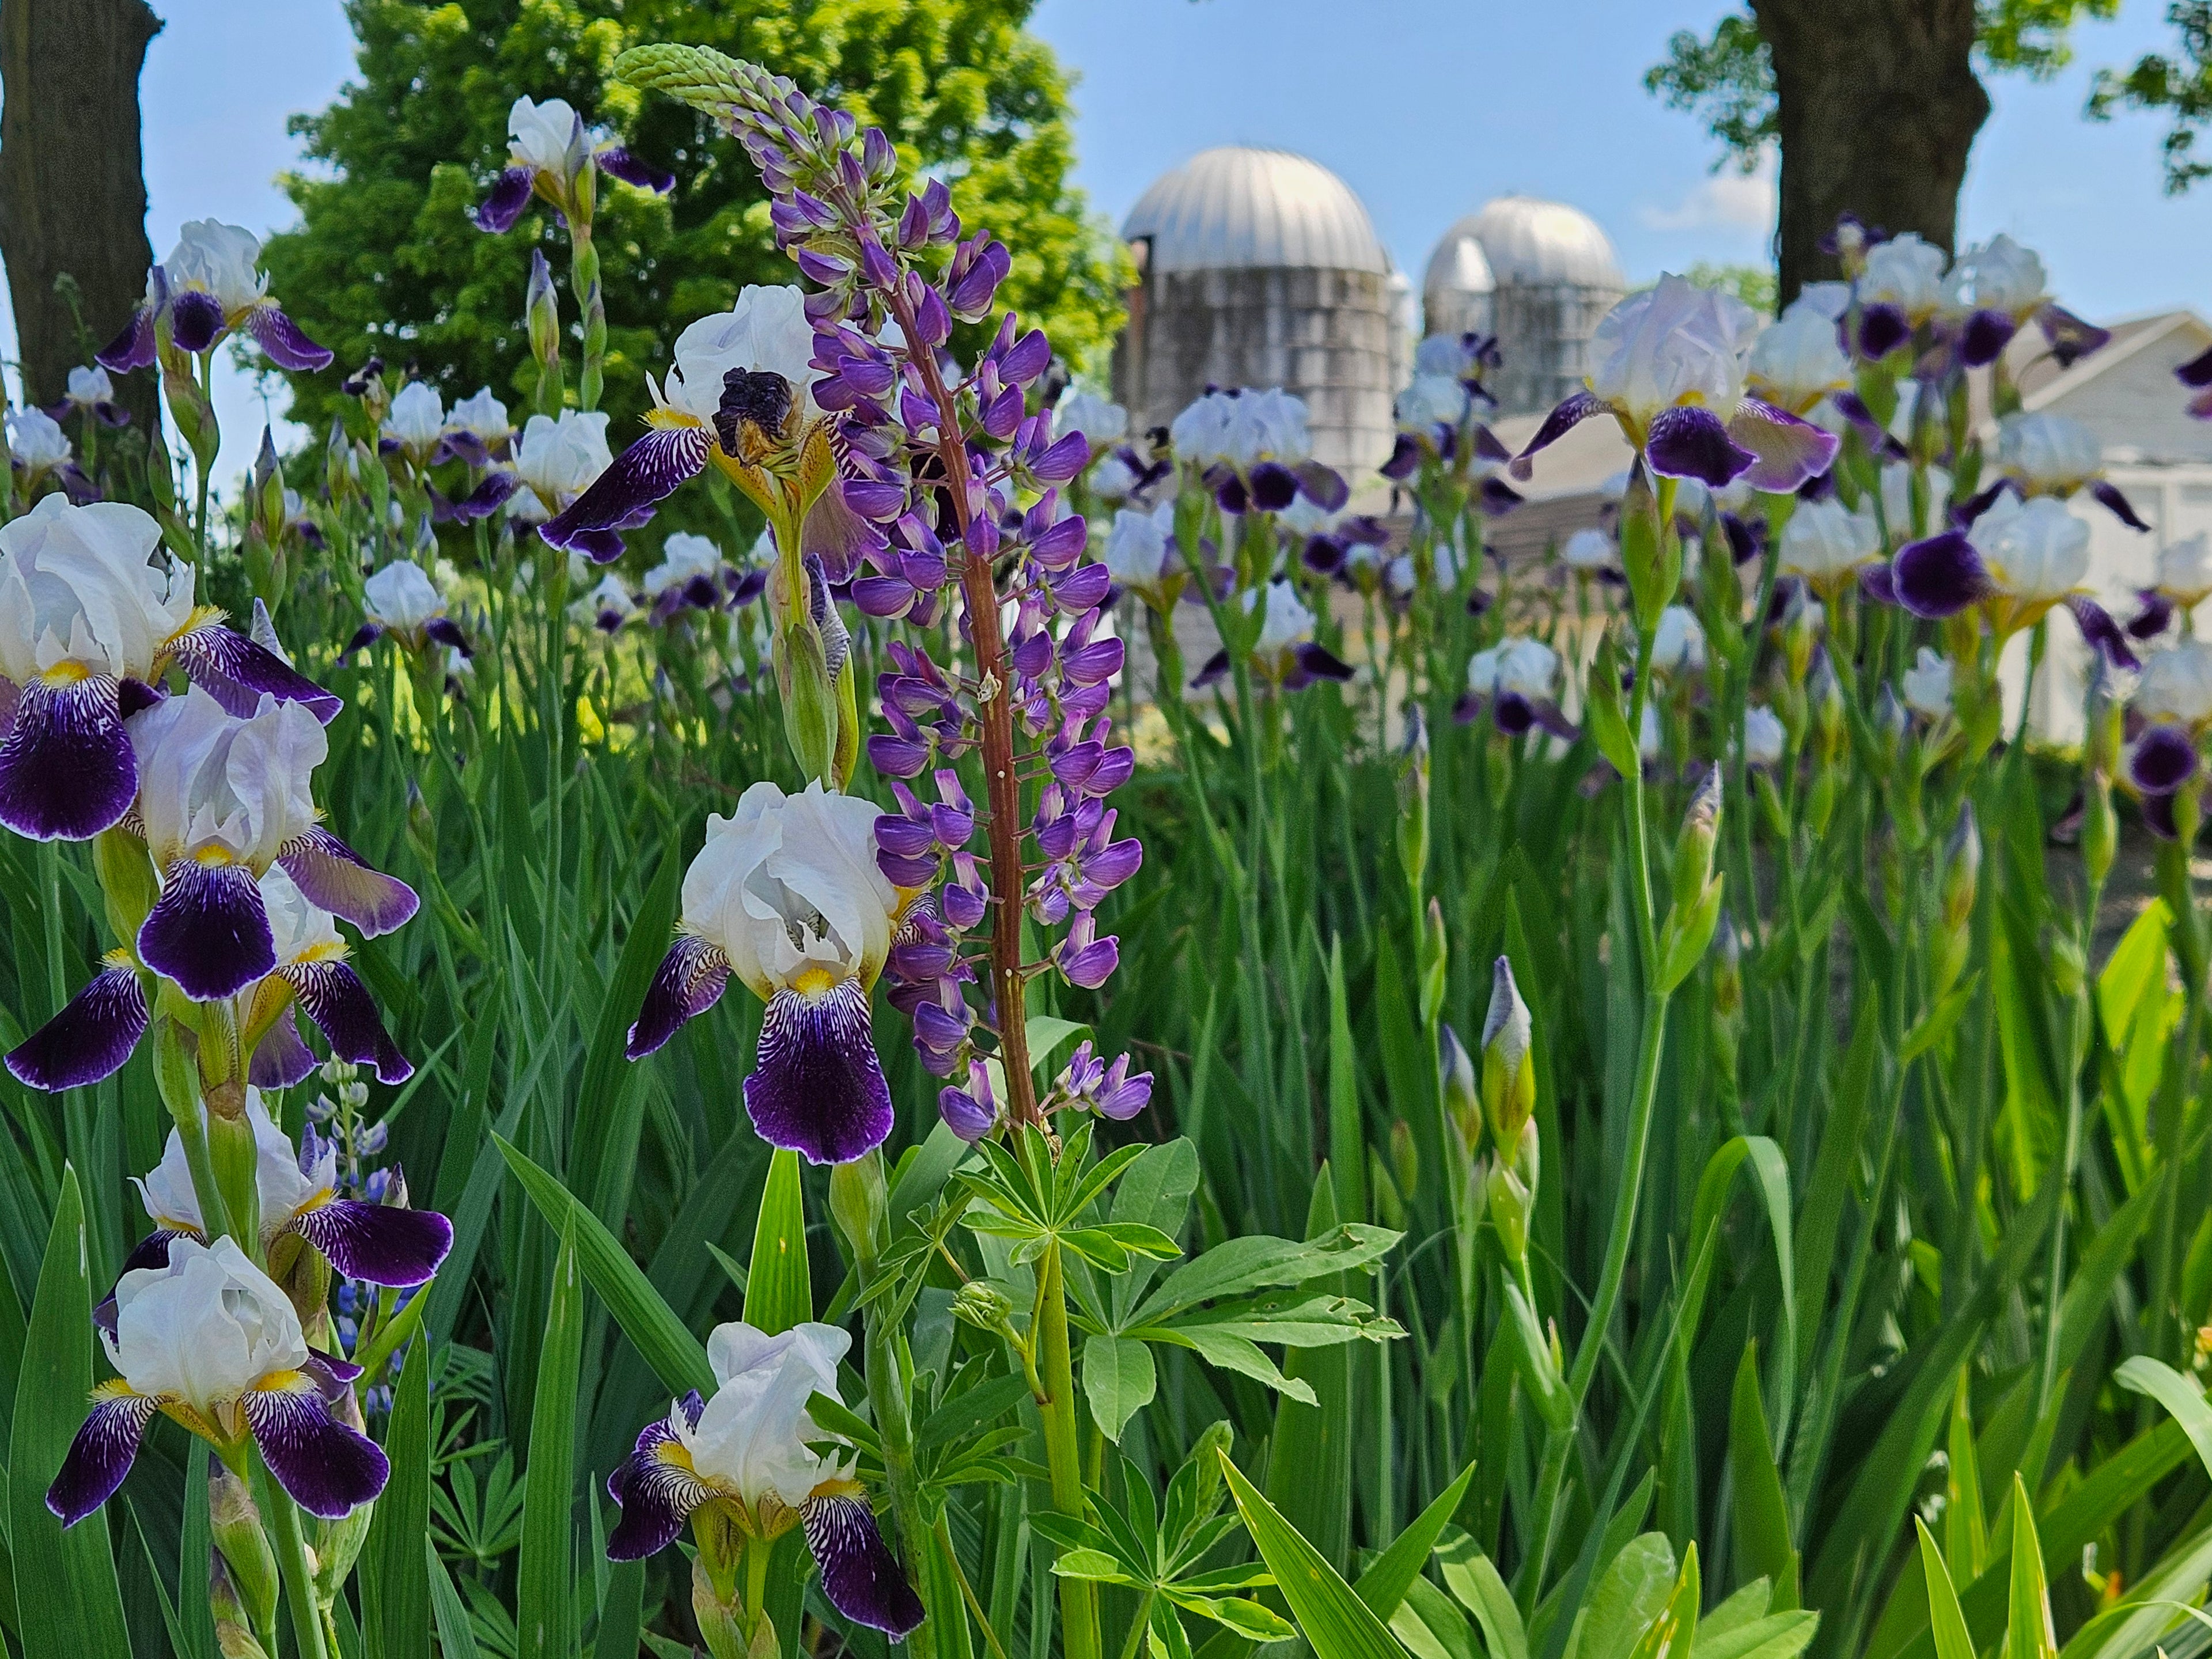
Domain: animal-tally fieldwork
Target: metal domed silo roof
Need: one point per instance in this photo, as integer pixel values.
(1459, 265)
(1236, 208)
(1529, 242)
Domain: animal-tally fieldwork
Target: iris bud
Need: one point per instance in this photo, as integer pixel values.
(858, 1203)
(233, 1629)
(1436, 957)
(1693, 848)
(1461, 1099)
(1962, 864)
(243, 1548)
(1509, 1067)
(2068, 972)
(2100, 829)
(1405, 1156)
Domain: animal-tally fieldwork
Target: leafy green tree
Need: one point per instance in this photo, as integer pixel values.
(386, 260)
(1874, 104)
(2181, 86)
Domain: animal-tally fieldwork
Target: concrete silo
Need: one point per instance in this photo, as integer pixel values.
(1261, 268)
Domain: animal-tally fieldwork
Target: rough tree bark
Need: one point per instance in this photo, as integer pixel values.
(72, 181)
(1878, 105)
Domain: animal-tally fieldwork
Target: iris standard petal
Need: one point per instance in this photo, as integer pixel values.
(336, 878)
(208, 930)
(329, 1470)
(331, 994)
(859, 1575)
(1690, 442)
(816, 1087)
(657, 1491)
(102, 1453)
(67, 770)
(623, 497)
(688, 982)
(1941, 576)
(379, 1243)
(235, 671)
(90, 1038)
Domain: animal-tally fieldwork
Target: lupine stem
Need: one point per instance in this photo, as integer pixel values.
(1078, 1597)
(291, 1549)
(979, 591)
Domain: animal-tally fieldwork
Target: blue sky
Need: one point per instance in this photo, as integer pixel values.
(1425, 107)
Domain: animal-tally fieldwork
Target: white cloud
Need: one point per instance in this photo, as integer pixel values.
(1728, 200)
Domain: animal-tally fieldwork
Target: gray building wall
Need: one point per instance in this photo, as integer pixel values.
(1324, 336)
(1543, 338)
(2136, 408)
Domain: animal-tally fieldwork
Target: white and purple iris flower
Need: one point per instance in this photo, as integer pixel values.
(1253, 450)
(554, 461)
(90, 392)
(1140, 553)
(1284, 653)
(211, 1342)
(1899, 288)
(607, 607)
(1517, 681)
(547, 153)
(1797, 362)
(1826, 544)
(89, 627)
(403, 602)
(2184, 581)
(693, 573)
(2015, 561)
(91, 1037)
(787, 896)
(2043, 454)
(743, 1464)
(221, 800)
(40, 452)
(386, 1244)
(2174, 699)
(1765, 740)
(1993, 290)
(1670, 367)
(741, 389)
(210, 287)
(1926, 685)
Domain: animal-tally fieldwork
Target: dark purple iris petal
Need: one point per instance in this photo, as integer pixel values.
(1563, 419)
(816, 1087)
(67, 771)
(99, 1456)
(616, 162)
(1405, 458)
(859, 1575)
(1467, 709)
(283, 340)
(1324, 486)
(688, 982)
(2071, 339)
(623, 497)
(208, 931)
(2109, 493)
(2155, 616)
(510, 194)
(1512, 714)
(1553, 720)
(235, 671)
(131, 348)
(491, 495)
(2101, 632)
(280, 1058)
(378, 1243)
(1882, 329)
(1229, 494)
(1689, 442)
(195, 320)
(1986, 334)
(1311, 662)
(1272, 486)
(334, 876)
(1940, 576)
(656, 1496)
(2163, 759)
(364, 636)
(2158, 816)
(89, 1039)
(2197, 371)
(446, 632)
(151, 1251)
(1964, 514)
(332, 996)
(1789, 450)
(1879, 583)
(1497, 497)
(332, 1375)
(1214, 668)
(328, 1468)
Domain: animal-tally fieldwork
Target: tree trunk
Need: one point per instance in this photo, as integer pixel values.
(1878, 105)
(72, 182)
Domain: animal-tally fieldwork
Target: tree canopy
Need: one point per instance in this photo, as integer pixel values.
(387, 261)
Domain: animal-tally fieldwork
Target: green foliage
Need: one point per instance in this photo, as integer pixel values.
(2180, 86)
(387, 261)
